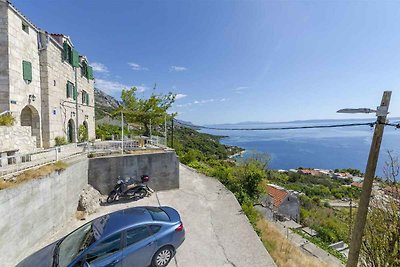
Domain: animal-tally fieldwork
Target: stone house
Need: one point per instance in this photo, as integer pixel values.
(282, 202)
(44, 83)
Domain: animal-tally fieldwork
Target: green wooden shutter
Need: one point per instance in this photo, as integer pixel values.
(87, 99)
(75, 58)
(65, 54)
(90, 72)
(75, 93)
(27, 70)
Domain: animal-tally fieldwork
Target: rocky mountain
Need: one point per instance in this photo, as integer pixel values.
(104, 103)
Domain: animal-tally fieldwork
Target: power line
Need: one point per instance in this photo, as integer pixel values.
(371, 124)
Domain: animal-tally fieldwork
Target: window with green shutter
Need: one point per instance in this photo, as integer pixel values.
(84, 69)
(75, 58)
(67, 53)
(70, 88)
(27, 70)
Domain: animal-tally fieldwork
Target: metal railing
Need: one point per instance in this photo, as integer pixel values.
(13, 163)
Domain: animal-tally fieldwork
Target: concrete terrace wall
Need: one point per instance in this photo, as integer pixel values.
(33, 209)
(163, 169)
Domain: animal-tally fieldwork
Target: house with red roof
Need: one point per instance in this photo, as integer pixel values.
(282, 202)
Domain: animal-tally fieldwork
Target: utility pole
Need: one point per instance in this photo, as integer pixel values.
(122, 133)
(361, 217)
(351, 217)
(150, 133)
(172, 134)
(165, 129)
(76, 103)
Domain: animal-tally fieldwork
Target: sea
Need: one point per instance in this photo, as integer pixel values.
(324, 148)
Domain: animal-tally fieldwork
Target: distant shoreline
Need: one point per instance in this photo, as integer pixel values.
(239, 154)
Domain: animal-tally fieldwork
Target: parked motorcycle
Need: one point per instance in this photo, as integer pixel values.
(126, 189)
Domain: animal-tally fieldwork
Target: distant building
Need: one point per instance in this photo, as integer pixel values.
(312, 172)
(342, 175)
(356, 184)
(282, 201)
(44, 83)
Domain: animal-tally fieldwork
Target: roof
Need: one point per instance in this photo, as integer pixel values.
(359, 185)
(22, 16)
(277, 194)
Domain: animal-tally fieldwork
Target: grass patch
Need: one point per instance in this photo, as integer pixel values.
(33, 174)
(282, 250)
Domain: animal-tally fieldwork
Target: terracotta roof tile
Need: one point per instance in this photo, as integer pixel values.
(277, 195)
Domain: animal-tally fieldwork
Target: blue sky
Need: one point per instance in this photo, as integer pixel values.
(232, 61)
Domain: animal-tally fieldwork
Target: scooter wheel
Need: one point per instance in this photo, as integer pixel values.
(111, 197)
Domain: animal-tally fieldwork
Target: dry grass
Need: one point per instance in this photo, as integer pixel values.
(33, 174)
(284, 253)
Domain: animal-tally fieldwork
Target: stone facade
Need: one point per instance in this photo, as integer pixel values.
(58, 110)
(41, 102)
(24, 144)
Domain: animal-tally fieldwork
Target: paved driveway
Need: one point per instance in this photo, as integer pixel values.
(217, 233)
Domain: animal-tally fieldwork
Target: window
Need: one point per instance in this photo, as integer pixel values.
(84, 69)
(155, 228)
(27, 71)
(67, 52)
(71, 90)
(137, 234)
(25, 27)
(158, 214)
(104, 249)
(85, 98)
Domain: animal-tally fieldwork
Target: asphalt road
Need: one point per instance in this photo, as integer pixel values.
(218, 234)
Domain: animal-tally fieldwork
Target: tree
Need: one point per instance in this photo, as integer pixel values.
(381, 244)
(149, 111)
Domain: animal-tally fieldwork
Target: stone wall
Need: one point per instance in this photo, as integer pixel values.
(4, 81)
(25, 142)
(57, 108)
(163, 169)
(22, 46)
(33, 209)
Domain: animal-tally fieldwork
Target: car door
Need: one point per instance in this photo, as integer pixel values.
(140, 247)
(107, 253)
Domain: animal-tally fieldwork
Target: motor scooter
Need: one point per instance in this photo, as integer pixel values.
(127, 189)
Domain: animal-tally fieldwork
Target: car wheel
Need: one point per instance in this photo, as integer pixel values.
(162, 257)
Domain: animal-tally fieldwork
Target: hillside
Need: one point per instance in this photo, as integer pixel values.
(104, 103)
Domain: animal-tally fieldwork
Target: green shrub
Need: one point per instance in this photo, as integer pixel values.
(60, 140)
(7, 120)
(83, 133)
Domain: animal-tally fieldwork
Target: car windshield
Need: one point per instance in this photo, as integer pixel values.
(74, 243)
(158, 214)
